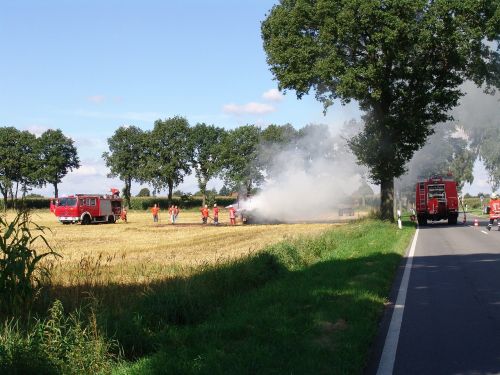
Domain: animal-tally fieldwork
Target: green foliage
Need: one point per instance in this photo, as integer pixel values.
(22, 272)
(206, 142)
(58, 156)
(144, 192)
(168, 154)
(225, 191)
(383, 55)
(125, 158)
(19, 162)
(57, 345)
(242, 169)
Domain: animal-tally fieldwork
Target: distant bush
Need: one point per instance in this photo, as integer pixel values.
(27, 203)
(144, 192)
(474, 203)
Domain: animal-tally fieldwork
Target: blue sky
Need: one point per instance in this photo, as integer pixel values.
(88, 67)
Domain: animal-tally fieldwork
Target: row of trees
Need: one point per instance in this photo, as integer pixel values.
(27, 161)
(246, 155)
(163, 156)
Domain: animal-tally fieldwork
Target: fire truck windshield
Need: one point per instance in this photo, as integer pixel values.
(67, 202)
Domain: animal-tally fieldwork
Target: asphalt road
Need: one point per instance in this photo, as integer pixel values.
(451, 316)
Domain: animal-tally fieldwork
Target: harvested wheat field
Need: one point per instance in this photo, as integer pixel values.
(142, 251)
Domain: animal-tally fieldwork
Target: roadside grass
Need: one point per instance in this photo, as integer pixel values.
(308, 306)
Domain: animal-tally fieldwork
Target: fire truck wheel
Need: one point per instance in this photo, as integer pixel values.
(422, 220)
(111, 219)
(86, 220)
(452, 220)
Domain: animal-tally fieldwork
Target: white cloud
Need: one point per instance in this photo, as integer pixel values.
(273, 95)
(96, 99)
(37, 129)
(252, 108)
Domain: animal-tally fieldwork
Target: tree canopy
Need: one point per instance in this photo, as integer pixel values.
(206, 142)
(125, 158)
(403, 61)
(58, 156)
(242, 169)
(168, 154)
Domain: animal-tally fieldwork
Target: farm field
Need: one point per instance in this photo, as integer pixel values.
(141, 251)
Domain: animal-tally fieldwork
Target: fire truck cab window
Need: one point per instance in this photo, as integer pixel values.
(67, 202)
(82, 202)
(92, 201)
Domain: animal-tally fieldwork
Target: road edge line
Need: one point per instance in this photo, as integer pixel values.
(388, 357)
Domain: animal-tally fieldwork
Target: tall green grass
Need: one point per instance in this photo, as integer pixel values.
(59, 344)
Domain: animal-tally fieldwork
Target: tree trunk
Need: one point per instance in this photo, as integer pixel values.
(203, 190)
(5, 198)
(170, 184)
(56, 190)
(387, 199)
(128, 187)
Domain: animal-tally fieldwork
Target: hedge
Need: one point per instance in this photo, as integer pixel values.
(136, 203)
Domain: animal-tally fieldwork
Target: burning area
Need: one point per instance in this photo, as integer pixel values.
(311, 179)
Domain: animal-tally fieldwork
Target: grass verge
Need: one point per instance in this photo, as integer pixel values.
(306, 306)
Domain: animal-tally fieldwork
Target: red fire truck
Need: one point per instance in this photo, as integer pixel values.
(87, 208)
(437, 199)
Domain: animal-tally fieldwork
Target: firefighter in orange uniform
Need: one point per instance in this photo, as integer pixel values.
(123, 215)
(204, 214)
(232, 215)
(171, 213)
(494, 210)
(155, 211)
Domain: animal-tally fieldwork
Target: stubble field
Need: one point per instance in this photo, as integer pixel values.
(141, 251)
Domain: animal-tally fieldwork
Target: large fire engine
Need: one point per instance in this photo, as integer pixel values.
(87, 208)
(437, 199)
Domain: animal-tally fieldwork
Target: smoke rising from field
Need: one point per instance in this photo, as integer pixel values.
(308, 179)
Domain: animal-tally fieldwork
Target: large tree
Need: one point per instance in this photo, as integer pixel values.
(9, 163)
(403, 61)
(125, 158)
(207, 151)
(20, 162)
(168, 154)
(242, 167)
(58, 156)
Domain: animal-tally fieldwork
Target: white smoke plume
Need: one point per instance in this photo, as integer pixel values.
(308, 180)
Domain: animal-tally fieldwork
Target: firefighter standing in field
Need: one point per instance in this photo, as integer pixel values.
(155, 210)
(204, 214)
(232, 215)
(494, 210)
(176, 212)
(171, 213)
(123, 215)
(216, 214)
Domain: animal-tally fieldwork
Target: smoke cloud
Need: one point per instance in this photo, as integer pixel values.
(308, 179)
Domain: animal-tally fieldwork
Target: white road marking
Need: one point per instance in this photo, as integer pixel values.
(388, 356)
(483, 231)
